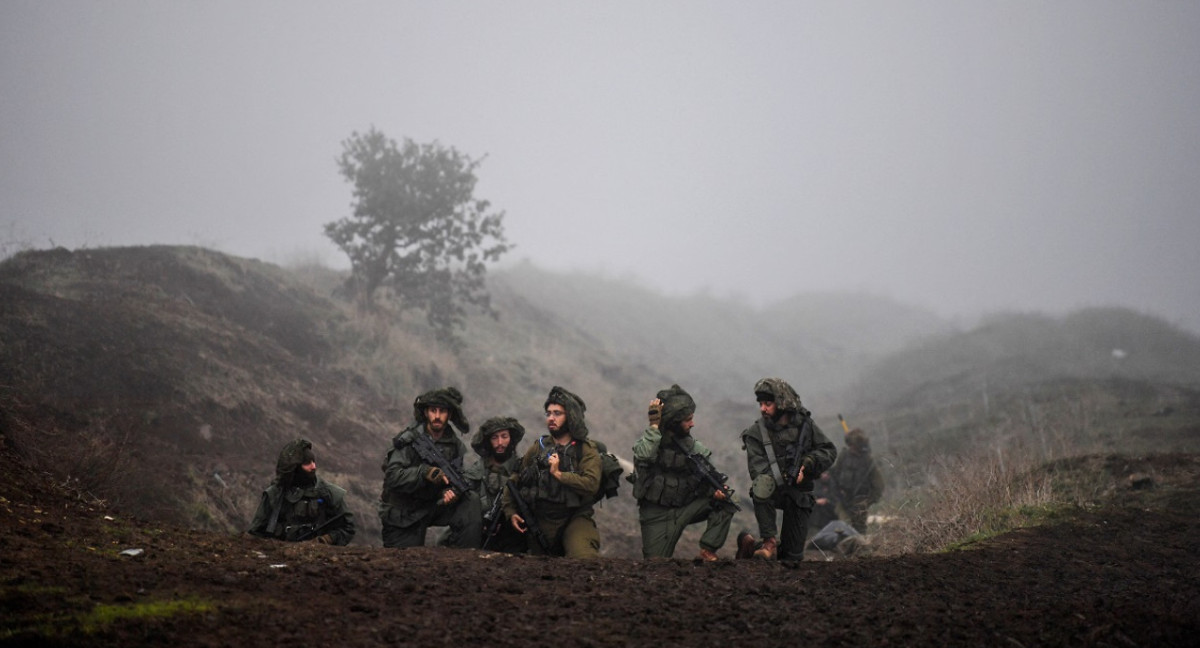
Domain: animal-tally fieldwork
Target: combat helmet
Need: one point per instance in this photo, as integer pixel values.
(574, 406)
(447, 397)
(677, 405)
(780, 392)
(480, 441)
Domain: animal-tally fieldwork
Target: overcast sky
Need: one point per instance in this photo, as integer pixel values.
(963, 156)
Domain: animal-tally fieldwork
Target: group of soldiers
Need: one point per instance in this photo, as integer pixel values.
(542, 501)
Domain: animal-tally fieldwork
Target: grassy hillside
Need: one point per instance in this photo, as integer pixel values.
(165, 379)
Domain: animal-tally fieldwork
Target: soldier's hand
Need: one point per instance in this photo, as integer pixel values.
(435, 475)
(553, 460)
(518, 522)
(719, 495)
(448, 496)
(325, 539)
(655, 413)
(800, 474)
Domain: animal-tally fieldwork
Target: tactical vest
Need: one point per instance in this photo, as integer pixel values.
(496, 476)
(539, 486)
(427, 493)
(852, 476)
(301, 509)
(669, 480)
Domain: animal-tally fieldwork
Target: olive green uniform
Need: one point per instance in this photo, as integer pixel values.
(410, 503)
(817, 453)
(671, 496)
(563, 507)
(857, 484)
(290, 510)
(488, 479)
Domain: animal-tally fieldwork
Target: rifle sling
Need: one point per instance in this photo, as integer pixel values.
(769, 446)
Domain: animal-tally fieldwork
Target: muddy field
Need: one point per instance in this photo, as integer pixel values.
(1123, 575)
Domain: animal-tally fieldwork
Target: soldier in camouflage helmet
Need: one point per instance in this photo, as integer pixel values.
(783, 434)
(417, 495)
(855, 479)
(559, 476)
(496, 444)
(670, 494)
(299, 505)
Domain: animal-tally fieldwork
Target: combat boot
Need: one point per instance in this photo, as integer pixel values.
(768, 550)
(745, 545)
(707, 556)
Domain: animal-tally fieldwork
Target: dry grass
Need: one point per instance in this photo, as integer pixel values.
(1025, 466)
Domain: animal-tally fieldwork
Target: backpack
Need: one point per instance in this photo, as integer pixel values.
(610, 473)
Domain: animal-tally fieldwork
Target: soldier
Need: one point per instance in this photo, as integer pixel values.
(824, 503)
(556, 484)
(420, 474)
(856, 480)
(496, 443)
(670, 491)
(299, 505)
(786, 452)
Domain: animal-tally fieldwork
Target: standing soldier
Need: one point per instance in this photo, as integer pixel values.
(556, 484)
(496, 443)
(671, 491)
(422, 483)
(299, 505)
(857, 482)
(786, 452)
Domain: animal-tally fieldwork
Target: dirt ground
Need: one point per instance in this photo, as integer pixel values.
(1122, 575)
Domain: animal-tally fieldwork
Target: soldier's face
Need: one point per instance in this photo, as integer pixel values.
(436, 418)
(687, 424)
(556, 418)
(500, 442)
(310, 467)
(767, 408)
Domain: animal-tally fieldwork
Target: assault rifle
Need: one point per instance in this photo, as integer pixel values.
(530, 522)
(709, 473)
(429, 454)
(492, 520)
(307, 532)
(797, 451)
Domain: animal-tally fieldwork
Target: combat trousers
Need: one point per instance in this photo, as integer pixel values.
(795, 520)
(662, 526)
(463, 517)
(575, 536)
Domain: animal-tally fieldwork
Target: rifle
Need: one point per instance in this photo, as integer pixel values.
(312, 530)
(429, 454)
(492, 520)
(797, 452)
(709, 473)
(530, 521)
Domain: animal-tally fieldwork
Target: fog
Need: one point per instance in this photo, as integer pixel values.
(966, 157)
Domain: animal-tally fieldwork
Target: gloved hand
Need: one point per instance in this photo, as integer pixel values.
(655, 413)
(435, 475)
(325, 539)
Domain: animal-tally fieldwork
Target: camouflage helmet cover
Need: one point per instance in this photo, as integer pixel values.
(677, 405)
(296, 453)
(481, 441)
(574, 406)
(778, 390)
(447, 397)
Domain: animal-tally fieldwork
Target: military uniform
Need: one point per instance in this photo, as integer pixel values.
(562, 507)
(488, 478)
(670, 495)
(857, 482)
(410, 503)
(799, 434)
(295, 504)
